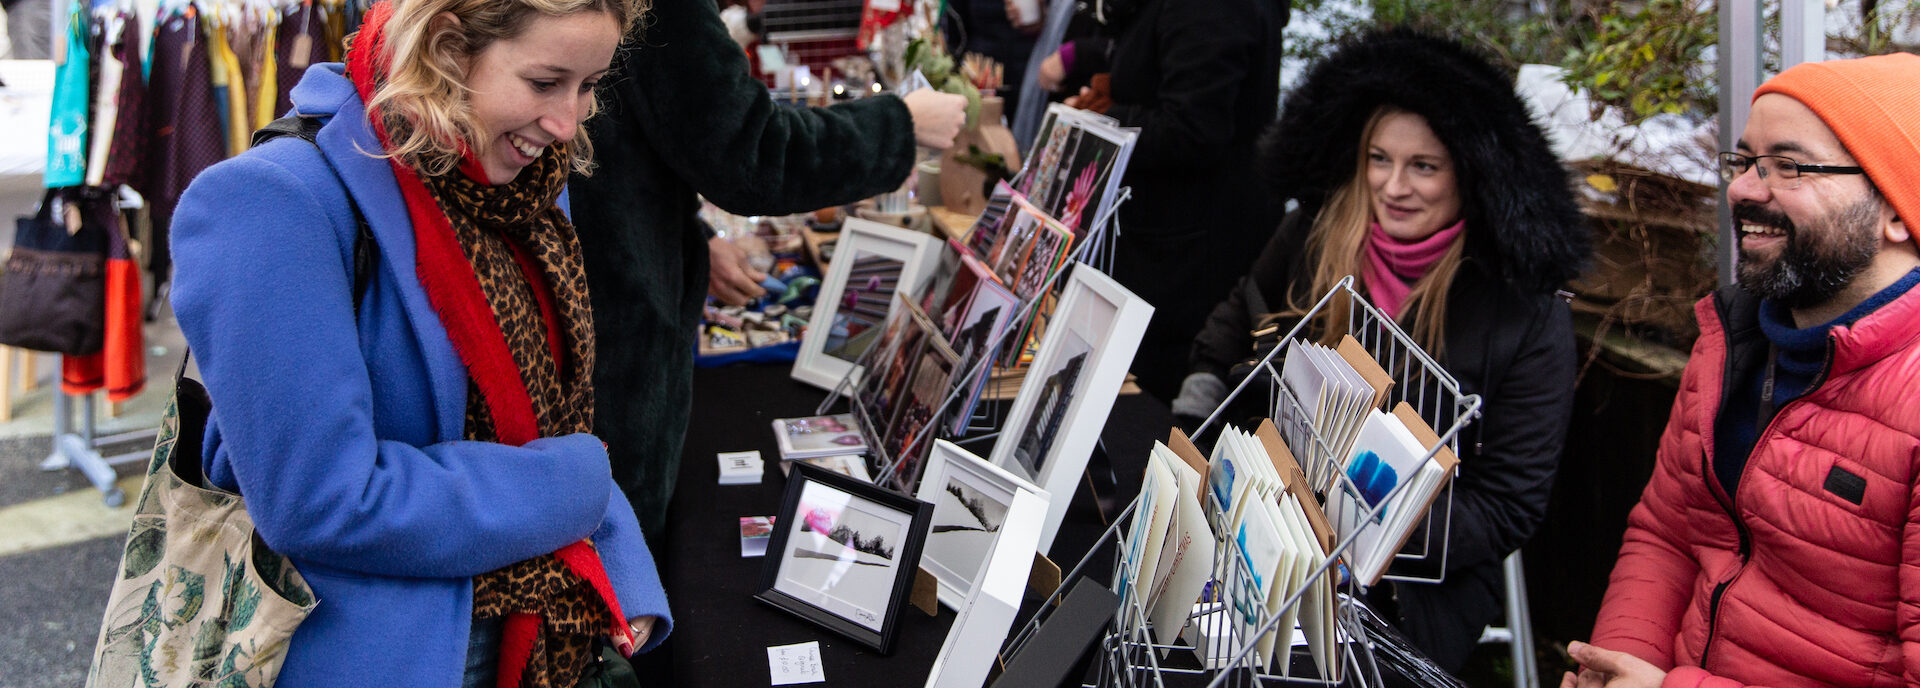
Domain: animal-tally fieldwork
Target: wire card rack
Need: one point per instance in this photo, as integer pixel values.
(1242, 630)
(896, 464)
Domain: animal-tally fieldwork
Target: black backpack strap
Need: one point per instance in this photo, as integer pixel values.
(307, 129)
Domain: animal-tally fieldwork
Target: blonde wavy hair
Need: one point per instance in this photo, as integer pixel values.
(1336, 246)
(423, 98)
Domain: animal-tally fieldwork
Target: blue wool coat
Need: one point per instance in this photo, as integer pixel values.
(346, 440)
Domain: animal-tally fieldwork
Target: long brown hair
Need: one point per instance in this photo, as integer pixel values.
(424, 97)
(1336, 246)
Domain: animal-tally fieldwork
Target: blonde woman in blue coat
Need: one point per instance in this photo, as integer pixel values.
(422, 450)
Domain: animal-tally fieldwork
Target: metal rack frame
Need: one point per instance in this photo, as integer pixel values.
(1095, 247)
(1131, 653)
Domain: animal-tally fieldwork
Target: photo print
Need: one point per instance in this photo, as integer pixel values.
(971, 501)
(1089, 178)
(1045, 254)
(966, 519)
(1056, 397)
(1012, 245)
(987, 228)
(842, 554)
(914, 430)
(863, 305)
(818, 436)
(979, 329)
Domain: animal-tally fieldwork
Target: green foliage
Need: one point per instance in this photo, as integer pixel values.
(1646, 61)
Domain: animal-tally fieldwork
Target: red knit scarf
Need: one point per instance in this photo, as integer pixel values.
(455, 293)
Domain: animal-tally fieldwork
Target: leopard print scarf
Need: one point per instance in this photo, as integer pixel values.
(499, 228)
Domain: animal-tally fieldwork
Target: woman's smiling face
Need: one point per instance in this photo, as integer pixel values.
(1412, 178)
(533, 89)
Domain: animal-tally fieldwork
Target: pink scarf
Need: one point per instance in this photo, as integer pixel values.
(1392, 265)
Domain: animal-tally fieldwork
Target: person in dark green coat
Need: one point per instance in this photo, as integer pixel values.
(683, 117)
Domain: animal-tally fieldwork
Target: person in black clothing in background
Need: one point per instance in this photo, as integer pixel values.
(1200, 78)
(994, 29)
(1420, 172)
(683, 117)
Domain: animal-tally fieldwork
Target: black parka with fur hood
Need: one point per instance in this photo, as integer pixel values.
(1509, 337)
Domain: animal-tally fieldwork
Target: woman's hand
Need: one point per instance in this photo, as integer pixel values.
(1603, 668)
(937, 117)
(641, 627)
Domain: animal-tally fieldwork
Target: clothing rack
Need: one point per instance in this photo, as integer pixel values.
(126, 144)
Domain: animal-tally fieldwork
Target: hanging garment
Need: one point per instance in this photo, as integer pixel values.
(127, 148)
(229, 86)
(187, 136)
(67, 127)
(266, 90)
(301, 41)
(106, 97)
(121, 364)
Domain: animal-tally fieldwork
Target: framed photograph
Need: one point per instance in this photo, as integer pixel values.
(988, 611)
(970, 498)
(1077, 371)
(872, 262)
(843, 554)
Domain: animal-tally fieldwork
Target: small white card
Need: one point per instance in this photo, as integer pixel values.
(792, 664)
(741, 468)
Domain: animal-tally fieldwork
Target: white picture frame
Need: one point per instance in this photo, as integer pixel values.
(989, 611)
(963, 537)
(1076, 374)
(861, 241)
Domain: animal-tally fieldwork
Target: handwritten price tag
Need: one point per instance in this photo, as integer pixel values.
(791, 664)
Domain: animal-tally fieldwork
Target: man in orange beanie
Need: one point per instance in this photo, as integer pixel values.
(1778, 542)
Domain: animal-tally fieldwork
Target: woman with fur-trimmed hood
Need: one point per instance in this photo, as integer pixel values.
(1418, 171)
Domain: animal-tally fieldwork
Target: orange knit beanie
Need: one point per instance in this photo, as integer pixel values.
(1873, 105)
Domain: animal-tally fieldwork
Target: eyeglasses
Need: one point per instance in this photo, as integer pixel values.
(1778, 171)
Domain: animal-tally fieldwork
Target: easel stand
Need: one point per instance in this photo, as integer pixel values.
(80, 451)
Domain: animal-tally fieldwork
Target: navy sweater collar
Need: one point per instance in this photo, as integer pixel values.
(1803, 350)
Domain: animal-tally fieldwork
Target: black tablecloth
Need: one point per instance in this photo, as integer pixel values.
(721, 632)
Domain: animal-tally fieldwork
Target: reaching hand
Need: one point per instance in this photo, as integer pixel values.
(641, 628)
(1052, 71)
(1603, 668)
(937, 117)
(729, 278)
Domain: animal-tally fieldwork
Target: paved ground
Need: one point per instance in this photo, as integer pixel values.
(59, 544)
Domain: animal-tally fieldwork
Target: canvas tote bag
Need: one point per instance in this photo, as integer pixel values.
(199, 600)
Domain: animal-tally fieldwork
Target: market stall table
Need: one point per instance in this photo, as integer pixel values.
(722, 632)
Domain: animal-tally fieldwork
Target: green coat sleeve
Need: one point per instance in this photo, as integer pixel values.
(686, 84)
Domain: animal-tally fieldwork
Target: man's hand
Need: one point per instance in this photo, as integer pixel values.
(937, 117)
(1052, 72)
(729, 278)
(1603, 668)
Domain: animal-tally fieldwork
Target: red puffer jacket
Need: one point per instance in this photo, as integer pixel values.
(1817, 580)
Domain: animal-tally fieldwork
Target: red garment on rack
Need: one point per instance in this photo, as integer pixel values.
(121, 364)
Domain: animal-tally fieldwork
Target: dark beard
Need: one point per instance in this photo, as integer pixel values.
(1815, 263)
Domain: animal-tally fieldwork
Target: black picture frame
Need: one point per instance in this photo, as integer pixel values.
(897, 510)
